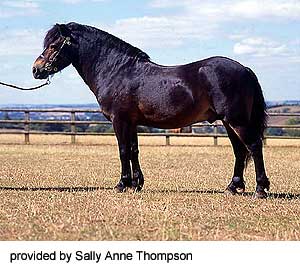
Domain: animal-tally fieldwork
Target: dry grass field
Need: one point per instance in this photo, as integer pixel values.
(58, 191)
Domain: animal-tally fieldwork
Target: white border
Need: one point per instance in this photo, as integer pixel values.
(222, 257)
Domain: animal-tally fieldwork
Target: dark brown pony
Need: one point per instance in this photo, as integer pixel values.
(132, 90)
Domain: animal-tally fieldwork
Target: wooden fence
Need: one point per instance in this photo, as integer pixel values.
(72, 122)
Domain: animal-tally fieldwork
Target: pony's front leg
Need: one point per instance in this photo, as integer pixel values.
(137, 177)
(123, 133)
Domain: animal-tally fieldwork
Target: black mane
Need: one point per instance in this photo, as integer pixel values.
(93, 34)
(52, 35)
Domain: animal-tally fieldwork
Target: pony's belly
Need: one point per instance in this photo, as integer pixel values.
(173, 106)
(183, 119)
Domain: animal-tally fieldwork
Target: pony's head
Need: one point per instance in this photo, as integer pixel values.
(57, 52)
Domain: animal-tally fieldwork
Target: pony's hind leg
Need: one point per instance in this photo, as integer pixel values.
(137, 175)
(262, 181)
(254, 145)
(237, 184)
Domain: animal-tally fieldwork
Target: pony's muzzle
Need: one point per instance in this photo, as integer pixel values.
(34, 71)
(39, 73)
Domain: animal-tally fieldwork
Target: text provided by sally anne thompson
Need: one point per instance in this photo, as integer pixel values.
(99, 256)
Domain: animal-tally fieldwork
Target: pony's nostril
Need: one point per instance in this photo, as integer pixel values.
(34, 70)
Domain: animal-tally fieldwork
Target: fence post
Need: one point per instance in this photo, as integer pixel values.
(215, 134)
(73, 127)
(265, 141)
(167, 140)
(26, 127)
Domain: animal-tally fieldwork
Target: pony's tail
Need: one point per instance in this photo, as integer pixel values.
(259, 117)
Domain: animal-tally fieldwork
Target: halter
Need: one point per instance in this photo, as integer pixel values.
(49, 65)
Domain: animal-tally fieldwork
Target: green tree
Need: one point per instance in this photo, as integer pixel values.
(293, 121)
(293, 132)
(275, 132)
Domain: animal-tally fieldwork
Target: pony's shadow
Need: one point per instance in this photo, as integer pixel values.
(271, 195)
(56, 189)
(282, 195)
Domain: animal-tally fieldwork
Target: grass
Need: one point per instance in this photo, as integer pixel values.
(65, 192)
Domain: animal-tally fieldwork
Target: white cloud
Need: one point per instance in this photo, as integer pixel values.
(21, 42)
(236, 36)
(288, 9)
(296, 43)
(199, 20)
(167, 3)
(260, 47)
(157, 32)
(233, 10)
(21, 4)
(10, 9)
(73, 2)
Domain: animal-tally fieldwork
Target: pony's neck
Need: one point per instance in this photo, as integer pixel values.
(98, 61)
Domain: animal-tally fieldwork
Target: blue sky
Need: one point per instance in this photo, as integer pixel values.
(261, 34)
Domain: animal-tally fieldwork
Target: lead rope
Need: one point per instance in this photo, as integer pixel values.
(26, 89)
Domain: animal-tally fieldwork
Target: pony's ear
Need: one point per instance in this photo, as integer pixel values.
(64, 30)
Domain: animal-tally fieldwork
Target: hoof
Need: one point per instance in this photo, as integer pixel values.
(263, 185)
(267, 187)
(262, 190)
(237, 185)
(240, 190)
(120, 187)
(137, 182)
(135, 188)
(260, 195)
(230, 191)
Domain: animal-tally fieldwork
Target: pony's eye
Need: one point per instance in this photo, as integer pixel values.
(53, 46)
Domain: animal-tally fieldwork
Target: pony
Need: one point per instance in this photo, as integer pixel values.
(132, 90)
